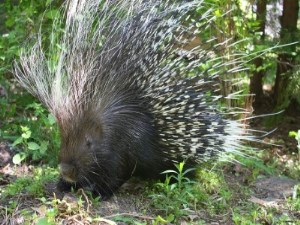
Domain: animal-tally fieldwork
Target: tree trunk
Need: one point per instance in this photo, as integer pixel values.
(256, 84)
(286, 61)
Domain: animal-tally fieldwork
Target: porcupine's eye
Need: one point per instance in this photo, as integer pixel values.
(88, 141)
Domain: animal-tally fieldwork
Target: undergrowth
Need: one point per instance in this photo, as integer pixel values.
(176, 200)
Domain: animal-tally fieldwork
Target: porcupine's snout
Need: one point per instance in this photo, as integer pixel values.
(68, 172)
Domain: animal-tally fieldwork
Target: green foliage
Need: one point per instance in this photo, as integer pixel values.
(261, 215)
(294, 168)
(27, 124)
(257, 166)
(36, 134)
(129, 220)
(31, 185)
(20, 21)
(176, 194)
(212, 183)
(294, 202)
(176, 200)
(297, 137)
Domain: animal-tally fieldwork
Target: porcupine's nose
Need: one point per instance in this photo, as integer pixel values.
(68, 172)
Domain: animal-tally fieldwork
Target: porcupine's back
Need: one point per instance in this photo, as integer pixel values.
(119, 71)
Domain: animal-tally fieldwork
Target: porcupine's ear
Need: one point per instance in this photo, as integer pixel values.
(93, 135)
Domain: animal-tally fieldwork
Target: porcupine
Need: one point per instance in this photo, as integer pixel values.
(128, 99)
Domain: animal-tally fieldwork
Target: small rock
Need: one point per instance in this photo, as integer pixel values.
(5, 154)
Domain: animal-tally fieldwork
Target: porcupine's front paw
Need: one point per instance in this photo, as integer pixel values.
(105, 192)
(64, 186)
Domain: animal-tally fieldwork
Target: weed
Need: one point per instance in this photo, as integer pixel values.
(297, 137)
(175, 195)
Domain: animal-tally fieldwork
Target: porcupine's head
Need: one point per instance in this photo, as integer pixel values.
(81, 139)
(92, 155)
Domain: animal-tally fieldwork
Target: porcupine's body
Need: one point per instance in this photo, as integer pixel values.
(120, 92)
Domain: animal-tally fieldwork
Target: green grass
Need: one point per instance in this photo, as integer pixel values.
(33, 184)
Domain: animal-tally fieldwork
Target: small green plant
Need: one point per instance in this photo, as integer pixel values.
(293, 167)
(159, 220)
(174, 196)
(297, 137)
(179, 175)
(179, 196)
